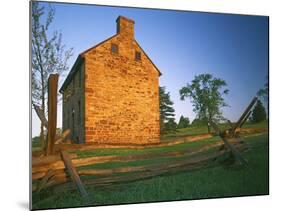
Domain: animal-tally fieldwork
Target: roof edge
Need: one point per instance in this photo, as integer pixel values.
(71, 73)
(148, 58)
(79, 58)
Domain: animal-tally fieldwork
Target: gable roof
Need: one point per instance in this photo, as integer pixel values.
(80, 59)
(149, 58)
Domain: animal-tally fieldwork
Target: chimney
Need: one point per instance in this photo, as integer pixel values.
(125, 26)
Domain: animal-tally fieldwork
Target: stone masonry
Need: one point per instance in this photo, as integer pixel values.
(116, 97)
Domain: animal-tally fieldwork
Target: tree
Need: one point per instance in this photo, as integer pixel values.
(170, 125)
(206, 94)
(198, 122)
(183, 122)
(48, 55)
(259, 113)
(166, 110)
(264, 92)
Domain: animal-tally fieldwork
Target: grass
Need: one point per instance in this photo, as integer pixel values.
(125, 151)
(197, 130)
(220, 181)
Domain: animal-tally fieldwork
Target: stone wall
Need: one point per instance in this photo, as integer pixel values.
(121, 93)
(74, 106)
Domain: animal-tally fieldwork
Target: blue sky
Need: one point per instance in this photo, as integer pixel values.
(181, 45)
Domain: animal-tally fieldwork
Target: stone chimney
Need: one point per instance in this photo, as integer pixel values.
(125, 26)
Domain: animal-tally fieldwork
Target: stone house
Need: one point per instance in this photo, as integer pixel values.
(111, 94)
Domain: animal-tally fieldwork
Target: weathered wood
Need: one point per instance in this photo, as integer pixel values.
(127, 158)
(104, 172)
(59, 165)
(245, 119)
(233, 150)
(41, 161)
(45, 180)
(52, 112)
(41, 115)
(245, 113)
(143, 172)
(73, 174)
(63, 136)
(151, 169)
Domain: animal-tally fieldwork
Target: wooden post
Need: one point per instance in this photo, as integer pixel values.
(73, 174)
(247, 110)
(52, 112)
(233, 150)
(245, 119)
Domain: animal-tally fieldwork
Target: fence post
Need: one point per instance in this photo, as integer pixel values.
(52, 112)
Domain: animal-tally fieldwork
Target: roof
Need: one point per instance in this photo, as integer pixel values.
(81, 57)
(78, 61)
(149, 59)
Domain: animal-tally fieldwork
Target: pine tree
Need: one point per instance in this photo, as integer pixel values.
(259, 113)
(183, 122)
(167, 112)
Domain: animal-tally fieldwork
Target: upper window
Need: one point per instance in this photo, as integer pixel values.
(114, 48)
(138, 55)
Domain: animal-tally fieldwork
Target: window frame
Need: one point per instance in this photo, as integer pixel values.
(137, 56)
(114, 48)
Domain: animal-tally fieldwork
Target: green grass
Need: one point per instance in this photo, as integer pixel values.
(197, 130)
(220, 181)
(125, 151)
(263, 124)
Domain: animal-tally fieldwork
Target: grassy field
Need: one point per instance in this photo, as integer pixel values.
(219, 181)
(196, 130)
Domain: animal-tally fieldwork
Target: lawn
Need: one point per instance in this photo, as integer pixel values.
(202, 129)
(219, 181)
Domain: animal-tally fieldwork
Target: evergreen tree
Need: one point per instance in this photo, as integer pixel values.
(198, 122)
(183, 122)
(170, 126)
(259, 113)
(167, 112)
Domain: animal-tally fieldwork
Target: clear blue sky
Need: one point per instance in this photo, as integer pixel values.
(181, 45)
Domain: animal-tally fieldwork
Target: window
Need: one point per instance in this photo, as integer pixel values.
(138, 56)
(114, 48)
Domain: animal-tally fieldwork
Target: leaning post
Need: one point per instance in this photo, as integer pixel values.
(52, 112)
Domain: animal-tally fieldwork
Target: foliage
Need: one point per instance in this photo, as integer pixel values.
(198, 122)
(48, 53)
(264, 92)
(167, 112)
(170, 125)
(183, 122)
(259, 113)
(206, 94)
